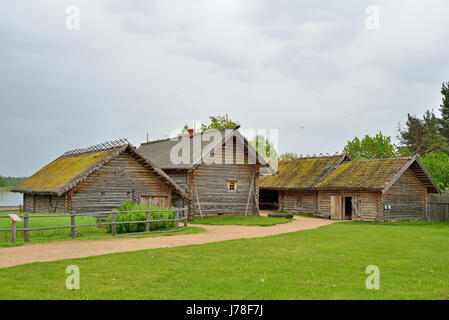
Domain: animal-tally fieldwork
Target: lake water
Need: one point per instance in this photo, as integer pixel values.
(10, 198)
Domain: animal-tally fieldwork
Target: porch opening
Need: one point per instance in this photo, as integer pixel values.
(268, 199)
(348, 208)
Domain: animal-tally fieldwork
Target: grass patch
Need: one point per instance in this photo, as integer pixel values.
(324, 263)
(83, 233)
(240, 220)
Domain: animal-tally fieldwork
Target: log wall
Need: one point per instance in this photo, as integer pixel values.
(36, 203)
(298, 201)
(211, 185)
(407, 197)
(366, 205)
(121, 179)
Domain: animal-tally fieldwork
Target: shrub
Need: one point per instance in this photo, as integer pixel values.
(122, 216)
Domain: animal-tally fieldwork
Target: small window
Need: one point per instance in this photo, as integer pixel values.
(232, 185)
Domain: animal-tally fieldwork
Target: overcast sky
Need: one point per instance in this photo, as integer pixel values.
(311, 69)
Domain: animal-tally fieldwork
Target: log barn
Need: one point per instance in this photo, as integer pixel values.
(293, 188)
(219, 170)
(376, 190)
(98, 178)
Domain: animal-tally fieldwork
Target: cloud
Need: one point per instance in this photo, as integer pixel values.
(310, 69)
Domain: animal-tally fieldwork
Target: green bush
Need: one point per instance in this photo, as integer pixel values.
(122, 215)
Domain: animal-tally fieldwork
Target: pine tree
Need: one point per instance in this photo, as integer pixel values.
(444, 109)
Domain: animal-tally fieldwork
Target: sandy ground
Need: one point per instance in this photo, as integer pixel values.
(51, 251)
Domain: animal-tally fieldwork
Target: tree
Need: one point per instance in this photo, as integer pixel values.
(444, 109)
(289, 156)
(369, 147)
(264, 147)
(437, 163)
(422, 136)
(411, 136)
(3, 182)
(219, 122)
(184, 131)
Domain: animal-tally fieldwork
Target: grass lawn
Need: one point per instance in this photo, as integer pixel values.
(324, 263)
(83, 233)
(240, 220)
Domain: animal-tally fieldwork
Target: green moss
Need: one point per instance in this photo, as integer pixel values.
(368, 173)
(61, 171)
(300, 173)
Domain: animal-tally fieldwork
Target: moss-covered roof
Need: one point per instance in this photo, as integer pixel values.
(67, 171)
(61, 171)
(303, 173)
(365, 175)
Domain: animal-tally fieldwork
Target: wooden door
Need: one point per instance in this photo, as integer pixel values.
(299, 202)
(161, 202)
(336, 207)
(357, 206)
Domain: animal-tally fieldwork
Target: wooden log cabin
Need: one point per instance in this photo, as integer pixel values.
(376, 190)
(98, 178)
(219, 170)
(293, 187)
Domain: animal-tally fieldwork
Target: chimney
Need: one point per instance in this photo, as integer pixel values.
(191, 132)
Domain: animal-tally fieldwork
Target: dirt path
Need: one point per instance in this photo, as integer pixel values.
(52, 251)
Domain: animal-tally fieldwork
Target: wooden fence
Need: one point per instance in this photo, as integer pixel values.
(180, 215)
(438, 207)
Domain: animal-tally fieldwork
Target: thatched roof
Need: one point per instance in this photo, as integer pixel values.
(375, 175)
(75, 166)
(159, 151)
(303, 173)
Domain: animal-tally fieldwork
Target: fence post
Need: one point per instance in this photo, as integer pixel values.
(113, 224)
(26, 225)
(177, 219)
(72, 225)
(148, 227)
(13, 231)
(186, 217)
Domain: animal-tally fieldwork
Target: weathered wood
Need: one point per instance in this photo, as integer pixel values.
(407, 198)
(280, 215)
(120, 179)
(26, 225)
(14, 219)
(73, 225)
(13, 231)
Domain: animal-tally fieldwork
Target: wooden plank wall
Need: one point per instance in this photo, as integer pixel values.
(212, 188)
(210, 182)
(180, 177)
(298, 201)
(438, 207)
(121, 179)
(407, 197)
(369, 204)
(36, 203)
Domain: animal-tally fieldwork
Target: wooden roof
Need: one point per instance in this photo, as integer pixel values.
(375, 175)
(303, 173)
(159, 151)
(75, 166)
